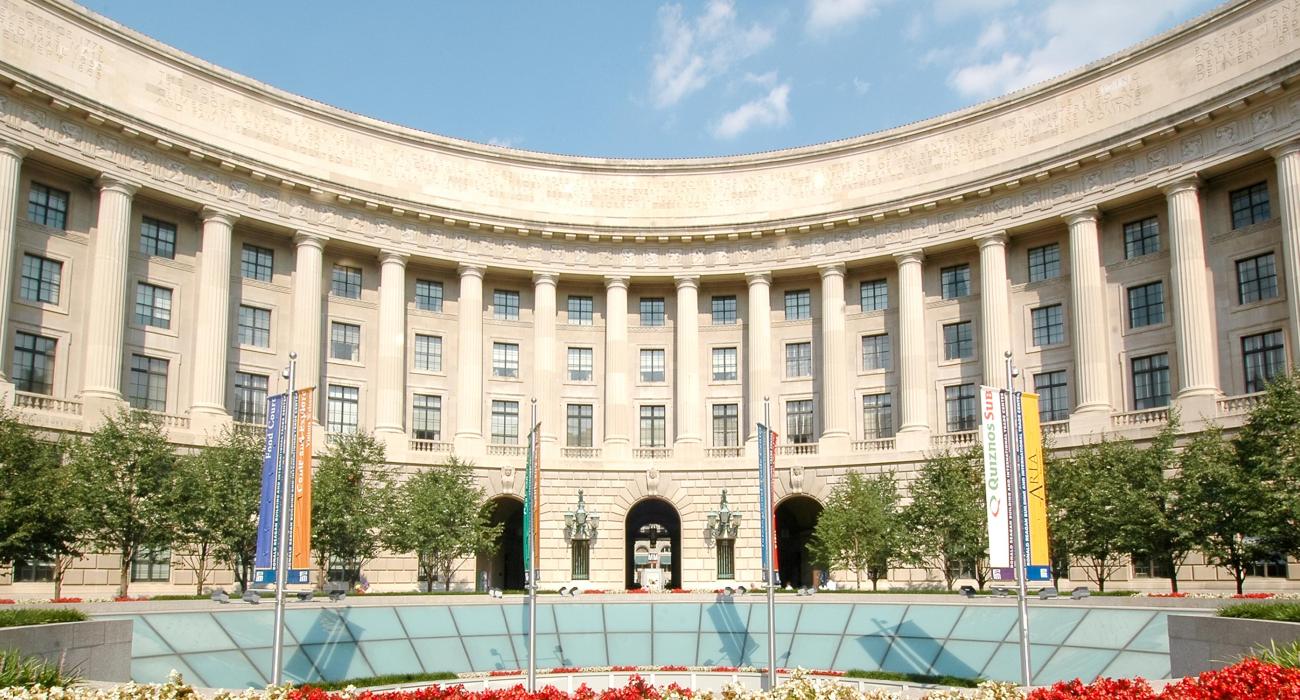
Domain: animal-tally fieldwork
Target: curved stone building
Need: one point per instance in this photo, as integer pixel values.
(170, 231)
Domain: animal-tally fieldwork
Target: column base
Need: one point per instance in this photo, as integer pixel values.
(1197, 406)
(98, 406)
(914, 439)
(691, 449)
(7, 390)
(395, 441)
(1092, 420)
(615, 450)
(469, 446)
(833, 444)
(209, 421)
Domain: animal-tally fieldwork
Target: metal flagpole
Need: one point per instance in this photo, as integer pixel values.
(282, 536)
(767, 556)
(1018, 560)
(533, 449)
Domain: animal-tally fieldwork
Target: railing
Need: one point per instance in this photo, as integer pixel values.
(1237, 405)
(961, 439)
(876, 445)
(1057, 427)
(172, 421)
(652, 452)
(1144, 417)
(724, 451)
(580, 452)
(41, 402)
(416, 445)
(799, 448)
(506, 450)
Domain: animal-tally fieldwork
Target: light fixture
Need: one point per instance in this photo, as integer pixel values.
(724, 523)
(581, 525)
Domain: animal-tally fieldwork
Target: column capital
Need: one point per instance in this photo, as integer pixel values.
(910, 256)
(687, 281)
(393, 257)
(310, 239)
(545, 278)
(997, 238)
(14, 149)
(616, 282)
(831, 270)
(471, 270)
(1285, 150)
(1180, 184)
(757, 278)
(218, 215)
(114, 183)
(1089, 213)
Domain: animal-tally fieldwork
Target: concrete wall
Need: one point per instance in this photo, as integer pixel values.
(96, 650)
(1198, 644)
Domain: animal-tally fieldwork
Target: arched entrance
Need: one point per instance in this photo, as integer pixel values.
(796, 517)
(653, 530)
(505, 569)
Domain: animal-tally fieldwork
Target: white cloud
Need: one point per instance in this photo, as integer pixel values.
(947, 10)
(769, 110)
(767, 79)
(505, 141)
(860, 86)
(824, 15)
(993, 36)
(692, 52)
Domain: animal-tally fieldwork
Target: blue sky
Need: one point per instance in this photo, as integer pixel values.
(633, 78)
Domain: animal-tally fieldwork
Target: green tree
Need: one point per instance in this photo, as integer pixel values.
(352, 492)
(438, 515)
(1165, 536)
(859, 528)
(944, 524)
(215, 494)
(123, 472)
(40, 519)
(1268, 450)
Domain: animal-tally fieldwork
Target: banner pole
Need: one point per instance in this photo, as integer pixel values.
(770, 573)
(282, 536)
(533, 444)
(1019, 563)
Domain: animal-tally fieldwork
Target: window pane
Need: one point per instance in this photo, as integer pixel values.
(1048, 325)
(875, 295)
(342, 411)
(798, 305)
(652, 312)
(959, 402)
(798, 359)
(875, 352)
(41, 278)
(1044, 262)
(1256, 279)
(250, 397)
(580, 364)
(428, 352)
(799, 421)
(426, 417)
(505, 422)
(955, 281)
(1263, 358)
(255, 263)
(505, 360)
(254, 326)
(147, 388)
(724, 310)
(724, 364)
(877, 416)
(428, 295)
(505, 305)
(1141, 237)
(652, 366)
(153, 306)
(958, 342)
(157, 238)
(1146, 305)
(726, 425)
(33, 369)
(345, 341)
(346, 282)
(581, 311)
(1249, 205)
(578, 428)
(1151, 381)
(47, 206)
(654, 426)
(1053, 402)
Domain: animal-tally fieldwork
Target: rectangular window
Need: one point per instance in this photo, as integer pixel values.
(1151, 381)
(250, 397)
(157, 238)
(724, 310)
(33, 370)
(580, 311)
(147, 388)
(959, 402)
(505, 305)
(654, 426)
(505, 360)
(580, 364)
(256, 263)
(1272, 567)
(1053, 401)
(426, 417)
(1146, 304)
(581, 562)
(875, 351)
(726, 559)
(345, 341)
(1147, 566)
(958, 341)
(153, 305)
(41, 279)
(1049, 325)
(652, 311)
(254, 326)
(505, 422)
(724, 364)
(579, 425)
(342, 409)
(1264, 358)
(33, 571)
(799, 421)
(954, 281)
(652, 366)
(1141, 237)
(1249, 205)
(798, 305)
(1256, 278)
(1044, 262)
(877, 416)
(726, 425)
(152, 564)
(874, 295)
(47, 206)
(428, 295)
(428, 352)
(345, 282)
(798, 360)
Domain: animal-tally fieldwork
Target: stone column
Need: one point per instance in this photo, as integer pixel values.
(1288, 185)
(836, 376)
(687, 390)
(995, 323)
(1088, 325)
(106, 317)
(308, 317)
(469, 364)
(390, 385)
(1194, 332)
(212, 332)
(618, 390)
(11, 163)
(758, 350)
(545, 385)
(914, 364)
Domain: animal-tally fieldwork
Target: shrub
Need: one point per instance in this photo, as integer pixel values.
(39, 616)
(914, 678)
(19, 672)
(391, 679)
(1286, 656)
(1277, 612)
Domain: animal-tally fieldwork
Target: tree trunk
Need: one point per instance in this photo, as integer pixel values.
(858, 573)
(1173, 583)
(124, 577)
(1239, 573)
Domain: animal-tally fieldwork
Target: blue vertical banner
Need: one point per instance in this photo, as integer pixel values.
(764, 497)
(271, 457)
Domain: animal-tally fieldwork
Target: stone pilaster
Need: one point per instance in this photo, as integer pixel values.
(1288, 185)
(546, 386)
(1088, 325)
(106, 317)
(11, 164)
(212, 333)
(469, 364)
(758, 349)
(390, 384)
(835, 380)
(308, 315)
(914, 428)
(995, 323)
(1194, 332)
(618, 391)
(687, 390)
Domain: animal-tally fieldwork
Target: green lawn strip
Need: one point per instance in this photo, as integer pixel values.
(393, 679)
(918, 678)
(39, 616)
(1276, 612)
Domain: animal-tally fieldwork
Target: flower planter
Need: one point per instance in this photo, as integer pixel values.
(97, 650)
(1202, 643)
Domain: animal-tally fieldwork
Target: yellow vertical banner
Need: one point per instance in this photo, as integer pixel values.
(1035, 483)
(301, 547)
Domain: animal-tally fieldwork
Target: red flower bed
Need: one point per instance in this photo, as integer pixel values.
(622, 669)
(589, 591)
(637, 590)
(565, 669)
(1179, 594)
(6, 601)
(65, 600)
(680, 590)
(1253, 596)
(636, 689)
(1251, 678)
(130, 599)
(506, 672)
(672, 668)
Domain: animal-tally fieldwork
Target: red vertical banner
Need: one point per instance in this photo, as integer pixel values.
(301, 547)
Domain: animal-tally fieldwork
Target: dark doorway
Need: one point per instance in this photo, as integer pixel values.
(795, 519)
(641, 523)
(505, 569)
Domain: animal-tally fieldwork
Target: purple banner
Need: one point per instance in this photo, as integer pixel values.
(266, 515)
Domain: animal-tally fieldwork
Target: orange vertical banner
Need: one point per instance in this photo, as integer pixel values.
(301, 546)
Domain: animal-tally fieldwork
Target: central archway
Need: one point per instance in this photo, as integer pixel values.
(668, 544)
(796, 517)
(505, 568)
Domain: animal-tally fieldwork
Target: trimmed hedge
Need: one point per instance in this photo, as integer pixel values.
(1276, 612)
(39, 616)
